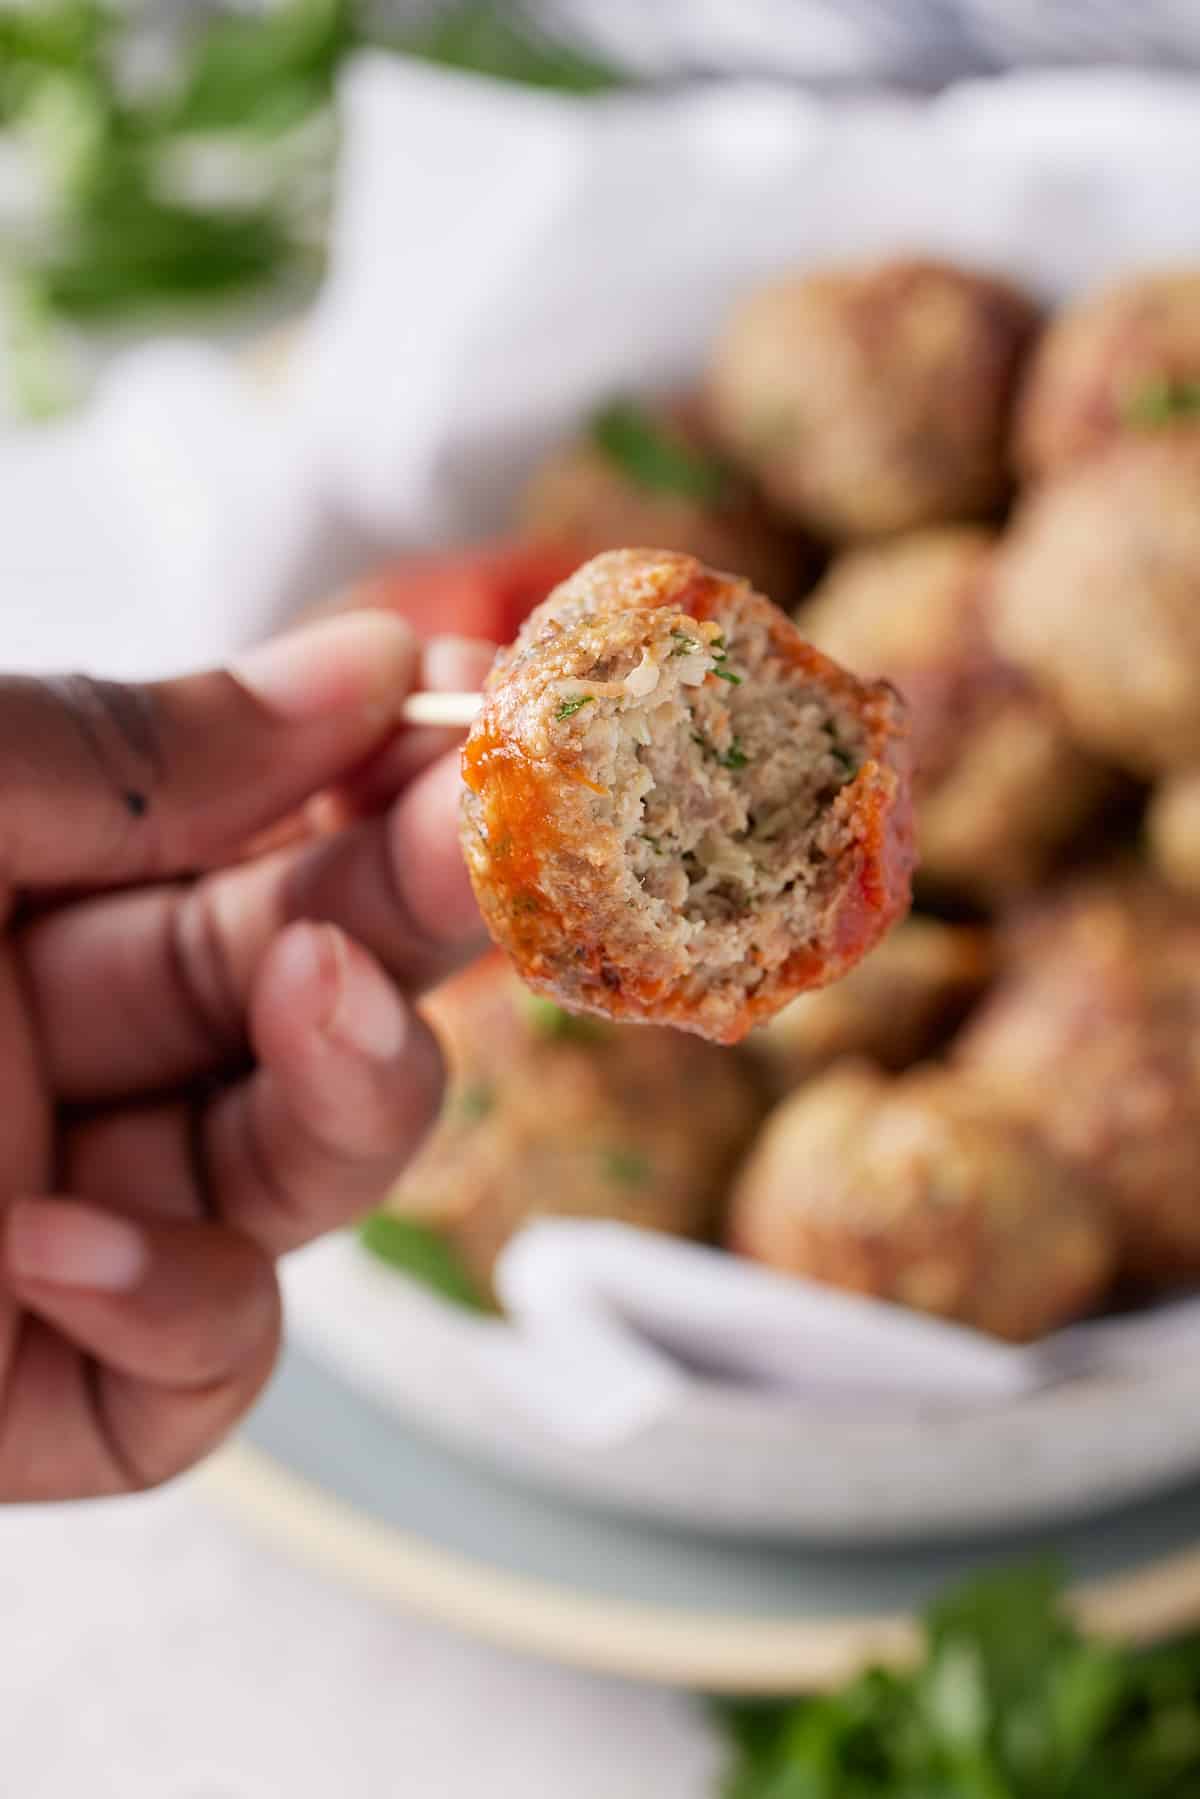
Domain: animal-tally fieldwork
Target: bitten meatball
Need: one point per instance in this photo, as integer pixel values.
(922, 1190)
(898, 1006)
(1095, 1032)
(1173, 830)
(649, 474)
(548, 1115)
(1124, 360)
(676, 811)
(997, 786)
(871, 400)
(1098, 595)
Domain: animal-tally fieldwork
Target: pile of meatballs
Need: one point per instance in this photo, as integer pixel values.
(996, 1117)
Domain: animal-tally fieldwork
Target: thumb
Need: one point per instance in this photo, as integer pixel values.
(102, 782)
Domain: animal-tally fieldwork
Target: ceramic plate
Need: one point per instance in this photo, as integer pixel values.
(338, 1478)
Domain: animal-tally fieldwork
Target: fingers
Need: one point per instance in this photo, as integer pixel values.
(146, 990)
(448, 665)
(349, 1082)
(182, 1318)
(101, 783)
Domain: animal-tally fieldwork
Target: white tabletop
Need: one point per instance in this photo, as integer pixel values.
(153, 1649)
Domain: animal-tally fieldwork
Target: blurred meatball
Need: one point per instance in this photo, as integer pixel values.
(1125, 359)
(924, 1191)
(1098, 595)
(1173, 830)
(547, 1115)
(649, 475)
(871, 400)
(896, 1007)
(676, 810)
(998, 787)
(1096, 1033)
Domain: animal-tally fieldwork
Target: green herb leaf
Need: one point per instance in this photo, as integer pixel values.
(734, 756)
(488, 37)
(475, 1100)
(684, 645)
(653, 457)
(627, 1167)
(551, 1021)
(416, 1250)
(726, 674)
(1009, 1702)
(569, 708)
(1162, 401)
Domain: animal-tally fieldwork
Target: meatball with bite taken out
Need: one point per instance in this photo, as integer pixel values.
(923, 1190)
(1119, 362)
(998, 786)
(874, 399)
(676, 811)
(648, 473)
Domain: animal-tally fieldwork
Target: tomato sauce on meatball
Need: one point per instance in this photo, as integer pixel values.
(676, 810)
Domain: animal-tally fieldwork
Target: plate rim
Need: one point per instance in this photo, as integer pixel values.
(713, 1652)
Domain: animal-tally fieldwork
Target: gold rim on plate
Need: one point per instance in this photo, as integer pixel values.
(717, 1652)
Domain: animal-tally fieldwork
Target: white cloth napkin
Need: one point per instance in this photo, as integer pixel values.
(502, 259)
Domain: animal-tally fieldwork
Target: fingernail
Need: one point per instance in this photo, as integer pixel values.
(456, 664)
(360, 660)
(67, 1244)
(367, 1014)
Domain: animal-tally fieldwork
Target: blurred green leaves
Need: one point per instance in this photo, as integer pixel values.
(412, 1248)
(186, 155)
(1010, 1701)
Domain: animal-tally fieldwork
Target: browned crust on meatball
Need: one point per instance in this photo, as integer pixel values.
(899, 1005)
(1097, 594)
(875, 399)
(581, 497)
(549, 1117)
(551, 849)
(998, 785)
(1095, 1033)
(924, 1191)
(1098, 359)
(1173, 830)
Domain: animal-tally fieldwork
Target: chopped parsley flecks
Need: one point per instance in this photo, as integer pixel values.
(476, 1100)
(655, 457)
(734, 756)
(552, 1022)
(1162, 401)
(654, 843)
(727, 674)
(627, 1167)
(569, 708)
(684, 645)
(412, 1248)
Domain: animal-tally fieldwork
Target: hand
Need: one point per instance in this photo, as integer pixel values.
(207, 1057)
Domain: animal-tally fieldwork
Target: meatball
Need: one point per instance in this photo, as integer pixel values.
(1122, 360)
(1173, 830)
(547, 1115)
(649, 475)
(1095, 1032)
(871, 400)
(676, 811)
(1098, 595)
(998, 787)
(894, 1008)
(922, 1190)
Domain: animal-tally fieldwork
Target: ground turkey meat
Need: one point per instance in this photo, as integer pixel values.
(676, 811)
(1098, 595)
(923, 1190)
(998, 786)
(877, 399)
(550, 1115)
(1095, 1031)
(1121, 361)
